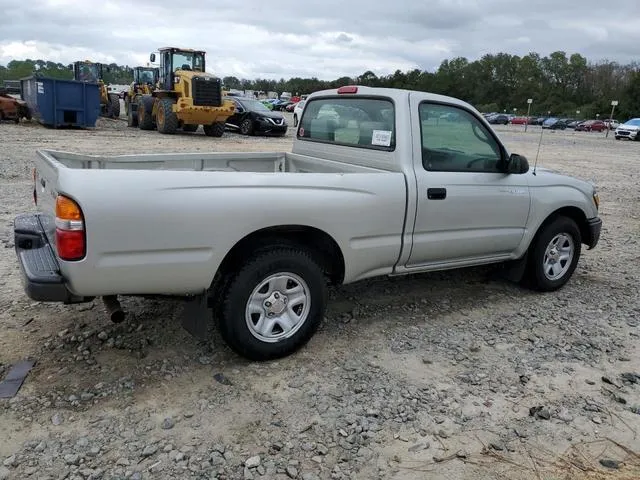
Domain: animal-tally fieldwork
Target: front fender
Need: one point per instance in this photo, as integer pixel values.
(547, 201)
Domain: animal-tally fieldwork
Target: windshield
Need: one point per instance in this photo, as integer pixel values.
(188, 61)
(254, 106)
(146, 76)
(635, 122)
(88, 72)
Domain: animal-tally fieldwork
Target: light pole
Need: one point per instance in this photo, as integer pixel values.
(614, 103)
(526, 123)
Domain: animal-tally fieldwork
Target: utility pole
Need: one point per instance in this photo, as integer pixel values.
(614, 103)
(529, 102)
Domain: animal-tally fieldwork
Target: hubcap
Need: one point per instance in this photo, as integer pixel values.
(558, 256)
(278, 307)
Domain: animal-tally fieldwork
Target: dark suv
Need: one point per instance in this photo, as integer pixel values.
(251, 117)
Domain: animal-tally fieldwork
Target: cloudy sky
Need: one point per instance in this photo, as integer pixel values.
(322, 38)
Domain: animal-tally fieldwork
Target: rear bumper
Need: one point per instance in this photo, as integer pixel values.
(595, 227)
(41, 276)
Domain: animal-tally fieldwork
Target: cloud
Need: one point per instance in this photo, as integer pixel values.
(327, 39)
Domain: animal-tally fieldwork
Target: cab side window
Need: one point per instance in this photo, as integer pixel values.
(454, 140)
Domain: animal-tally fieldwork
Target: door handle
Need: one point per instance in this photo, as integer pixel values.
(436, 193)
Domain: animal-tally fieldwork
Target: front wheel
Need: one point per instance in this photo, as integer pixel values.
(554, 254)
(274, 304)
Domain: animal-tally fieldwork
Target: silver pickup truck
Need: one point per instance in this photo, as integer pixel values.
(379, 182)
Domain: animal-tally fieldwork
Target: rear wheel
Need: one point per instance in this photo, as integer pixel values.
(246, 127)
(214, 130)
(554, 254)
(114, 105)
(166, 118)
(274, 304)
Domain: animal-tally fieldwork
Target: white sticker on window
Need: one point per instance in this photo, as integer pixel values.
(381, 138)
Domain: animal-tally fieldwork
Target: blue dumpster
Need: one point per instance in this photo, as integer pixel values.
(61, 103)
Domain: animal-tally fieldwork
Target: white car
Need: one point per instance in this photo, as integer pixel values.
(612, 124)
(629, 129)
(297, 112)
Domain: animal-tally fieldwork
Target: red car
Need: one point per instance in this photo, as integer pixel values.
(591, 126)
(519, 120)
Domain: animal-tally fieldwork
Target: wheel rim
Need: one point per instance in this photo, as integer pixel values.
(244, 128)
(558, 256)
(160, 116)
(278, 307)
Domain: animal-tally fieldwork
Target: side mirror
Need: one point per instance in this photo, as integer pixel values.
(517, 164)
(152, 57)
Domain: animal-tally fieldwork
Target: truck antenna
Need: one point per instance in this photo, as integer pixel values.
(535, 164)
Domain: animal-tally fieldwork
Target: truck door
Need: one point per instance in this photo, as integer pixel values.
(467, 208)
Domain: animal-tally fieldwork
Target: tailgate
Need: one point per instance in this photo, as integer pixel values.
(45, 190)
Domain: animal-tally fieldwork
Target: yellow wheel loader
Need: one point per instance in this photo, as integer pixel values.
(145, 80)
(186, 96)
(90, 72)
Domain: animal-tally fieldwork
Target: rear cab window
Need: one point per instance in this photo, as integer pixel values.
(357, 121)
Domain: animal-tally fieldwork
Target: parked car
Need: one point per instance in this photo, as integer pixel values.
(291, 106)
(499, 119)
(267, 104)
(253, 238)
(554, 124)
(629, 129)
(591, 126)
(520, 120)
(297, 112)
(251, 117)
(12, 108)
(611, 124)
(573, 124)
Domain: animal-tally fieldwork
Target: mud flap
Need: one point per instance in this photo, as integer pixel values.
(514, 270)
(196, 316)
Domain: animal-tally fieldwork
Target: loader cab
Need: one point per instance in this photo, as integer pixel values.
(87, 71)
(176, 59)
(145, 75)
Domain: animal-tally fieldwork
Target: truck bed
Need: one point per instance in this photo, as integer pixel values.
(258, 162)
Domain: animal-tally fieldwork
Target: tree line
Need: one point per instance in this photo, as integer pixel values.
(558, 83)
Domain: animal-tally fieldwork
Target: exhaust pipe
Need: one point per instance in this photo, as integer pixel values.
(111, 303)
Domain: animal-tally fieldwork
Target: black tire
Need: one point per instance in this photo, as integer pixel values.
(132, 118)
(214, 130)
(166, 118)
(114, 105)
(189, 127)
(145, 107)
(617, 138)
(536, 277)
(295, 120)
(233, 324)
(246, 127)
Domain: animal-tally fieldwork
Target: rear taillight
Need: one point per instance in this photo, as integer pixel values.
(70, 234)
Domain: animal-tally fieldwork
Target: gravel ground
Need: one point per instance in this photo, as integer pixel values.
(449, 375)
